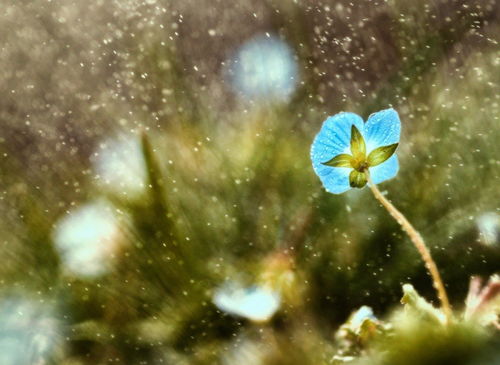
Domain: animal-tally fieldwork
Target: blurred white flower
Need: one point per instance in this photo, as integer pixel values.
(362, 314)
(488, 225)
(265, 67)
(120, 165)
(28, 332)
(86, 239)
(257, 303)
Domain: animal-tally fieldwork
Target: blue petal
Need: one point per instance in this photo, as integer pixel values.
(385, 171)
(334, 138)
(334, 179)
(381, 129)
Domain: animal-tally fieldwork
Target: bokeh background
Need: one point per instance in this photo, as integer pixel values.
(154, 156)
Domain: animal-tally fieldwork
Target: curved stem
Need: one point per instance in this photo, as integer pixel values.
(418, 241)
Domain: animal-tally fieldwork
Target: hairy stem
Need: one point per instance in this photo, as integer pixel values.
(417, 240)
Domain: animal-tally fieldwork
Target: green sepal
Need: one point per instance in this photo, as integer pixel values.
(357, 179)
(342, 160)
(358, 146)
(381, 154)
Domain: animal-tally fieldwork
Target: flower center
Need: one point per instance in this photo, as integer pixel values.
(359, 162)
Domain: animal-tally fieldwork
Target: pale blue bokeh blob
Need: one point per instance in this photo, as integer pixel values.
(85, 239)
(381, 129)
(120, 166)
(488, 225)
(265, 68)
(29, 334)
(257, 303)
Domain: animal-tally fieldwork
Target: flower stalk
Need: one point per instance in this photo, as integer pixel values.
(419, 243)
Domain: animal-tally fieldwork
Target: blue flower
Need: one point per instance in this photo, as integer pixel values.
(347, 152)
